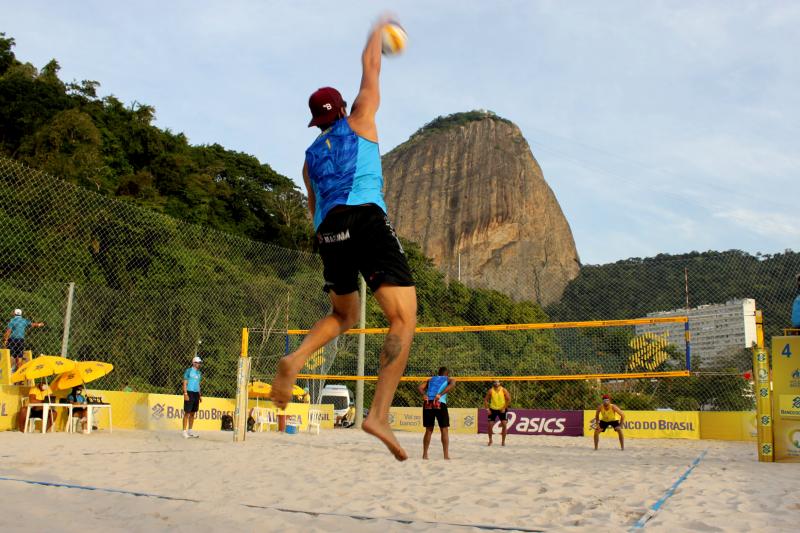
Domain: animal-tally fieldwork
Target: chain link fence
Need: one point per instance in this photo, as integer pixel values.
(151, 291)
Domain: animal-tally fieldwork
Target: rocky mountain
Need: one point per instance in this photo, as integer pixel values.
(467, 188)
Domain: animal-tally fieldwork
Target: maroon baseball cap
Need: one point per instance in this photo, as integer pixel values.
(606, 397)
(325, 104)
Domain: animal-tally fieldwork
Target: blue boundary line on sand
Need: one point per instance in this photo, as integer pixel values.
(651, 512)
(406, 521)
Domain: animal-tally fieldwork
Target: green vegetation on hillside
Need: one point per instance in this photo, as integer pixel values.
(442, 123)
(65, 129)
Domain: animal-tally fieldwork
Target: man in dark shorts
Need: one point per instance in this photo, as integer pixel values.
(343, 177)
(14, 336)
(434, 409)
(605, 417)
(191, 397)
(497, 401)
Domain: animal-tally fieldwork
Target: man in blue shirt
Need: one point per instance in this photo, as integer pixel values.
(796, 307)
(343, 176)
(191, 396)
(14, 336)
(434, 409)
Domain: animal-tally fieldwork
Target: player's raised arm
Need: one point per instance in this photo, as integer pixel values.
(362, 114)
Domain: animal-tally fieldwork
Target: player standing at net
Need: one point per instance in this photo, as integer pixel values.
(434, 409)
(497, 400)
(343, 177)
(605, 416)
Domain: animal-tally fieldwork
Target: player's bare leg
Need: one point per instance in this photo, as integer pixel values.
(596, 438)
(399, 304)
(621, 439)
(342, 318)
(426, 442)
(504, 432)
(445, 442)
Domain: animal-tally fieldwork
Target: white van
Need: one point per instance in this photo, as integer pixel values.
(340, 396)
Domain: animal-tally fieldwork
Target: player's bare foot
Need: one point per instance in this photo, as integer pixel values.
(490, 443)
(425, 456)
(282, 385)
(447, 457)
(384, 433)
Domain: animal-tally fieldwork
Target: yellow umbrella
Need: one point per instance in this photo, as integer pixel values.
(259, 389)
(42, 367)
(84, 372)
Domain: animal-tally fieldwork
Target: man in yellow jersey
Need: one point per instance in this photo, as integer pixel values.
(497, 400)
(606, 416)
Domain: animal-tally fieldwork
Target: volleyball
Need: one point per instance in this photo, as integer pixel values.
(394, 38)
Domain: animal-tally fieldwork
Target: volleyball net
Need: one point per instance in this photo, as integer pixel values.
(549, 364)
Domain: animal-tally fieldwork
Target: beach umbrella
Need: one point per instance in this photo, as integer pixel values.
(259, 389)
(84, 372)
(42, 367)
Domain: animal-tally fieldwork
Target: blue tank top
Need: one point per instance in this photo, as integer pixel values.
(796, 312)
(436, 385)
(344, 169)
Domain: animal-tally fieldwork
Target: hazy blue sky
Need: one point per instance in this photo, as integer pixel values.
(660, 126)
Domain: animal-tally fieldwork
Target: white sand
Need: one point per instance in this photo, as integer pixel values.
(547, 483)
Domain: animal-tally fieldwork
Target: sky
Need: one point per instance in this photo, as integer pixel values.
(662, 127)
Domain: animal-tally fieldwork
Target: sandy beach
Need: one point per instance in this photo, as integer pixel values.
(534, 483)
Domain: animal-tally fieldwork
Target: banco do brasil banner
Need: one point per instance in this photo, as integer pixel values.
(536, 422)
(653, 424)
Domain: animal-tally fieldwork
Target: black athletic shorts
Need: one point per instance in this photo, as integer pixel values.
(604, 425)
(440, 415)
(360, 238)
(16, 347)
(192, 405)
(496, 414)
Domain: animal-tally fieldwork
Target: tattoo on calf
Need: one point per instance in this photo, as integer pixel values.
(391, 349)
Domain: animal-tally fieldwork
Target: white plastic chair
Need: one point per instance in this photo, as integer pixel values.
(314, 418)
(32, 422)
(265, 416)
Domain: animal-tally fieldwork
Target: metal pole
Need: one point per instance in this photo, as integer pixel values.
(242, 378)
(362, 342)
(67, 318)
(459, 266)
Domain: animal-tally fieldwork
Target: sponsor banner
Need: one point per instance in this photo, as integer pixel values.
(9, 406)
(729, 425)
(536, 422)
(786, 397)
(462, 421)
(296, 413)
(652, 424)
(165, 411)
(327, 418)
(789, 405)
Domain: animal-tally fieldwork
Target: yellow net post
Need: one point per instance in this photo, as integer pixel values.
(242, 378)
(763, 395)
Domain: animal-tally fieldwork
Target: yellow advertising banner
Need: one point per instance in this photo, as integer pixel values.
(728, 425)
(296, 413)
(9, 406)
(652, 425)
(165, 411)
(786, 397)
(462, 420)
